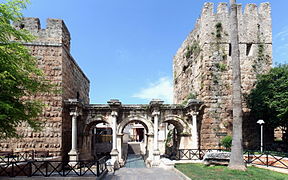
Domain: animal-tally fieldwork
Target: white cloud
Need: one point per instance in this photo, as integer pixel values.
(161, 89)
(280, 46)
(282, 35)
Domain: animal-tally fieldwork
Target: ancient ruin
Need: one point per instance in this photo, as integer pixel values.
(202, 67)
(202, 92)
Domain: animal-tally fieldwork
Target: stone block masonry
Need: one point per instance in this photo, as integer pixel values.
(52, 51)
(202, 67)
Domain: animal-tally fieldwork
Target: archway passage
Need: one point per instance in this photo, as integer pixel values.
(177, 131)
(135, 143)
(97, 140)
(134, 137)
(101, 144)
(134, 146)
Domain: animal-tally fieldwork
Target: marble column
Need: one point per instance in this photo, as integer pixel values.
(195, 138)
(120, 148)
(149, 150)
(74, 153)
(114, 127)
(114, 153)
(156, 152)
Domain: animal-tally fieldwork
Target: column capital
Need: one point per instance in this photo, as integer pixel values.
(114, 113)
(74, 114)
(156, 113)
(192, 113)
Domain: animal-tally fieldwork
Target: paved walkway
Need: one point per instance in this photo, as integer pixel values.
(135, 169)
(143, 174)
(135, 161)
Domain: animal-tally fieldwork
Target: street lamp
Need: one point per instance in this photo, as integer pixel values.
(261, 122)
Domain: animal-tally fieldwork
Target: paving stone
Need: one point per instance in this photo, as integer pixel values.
(134, 161)
(143, 174)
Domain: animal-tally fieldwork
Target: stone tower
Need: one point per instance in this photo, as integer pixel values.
(202, 67)
(52, 51)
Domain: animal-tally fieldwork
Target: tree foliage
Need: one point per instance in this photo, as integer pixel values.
(269, 100)
(20, 79)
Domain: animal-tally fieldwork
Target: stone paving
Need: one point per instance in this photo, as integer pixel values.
(135, 161)
(143, 174)
(135, 169)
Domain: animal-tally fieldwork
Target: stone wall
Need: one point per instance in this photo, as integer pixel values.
(202, 66)
(52, 51)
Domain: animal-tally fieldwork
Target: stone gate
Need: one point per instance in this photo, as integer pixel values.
(152, 116)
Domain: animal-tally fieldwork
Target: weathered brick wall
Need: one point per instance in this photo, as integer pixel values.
(52, 51)
(74, 82)
(202, 66)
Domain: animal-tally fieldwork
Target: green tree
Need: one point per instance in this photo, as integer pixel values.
(269, 100)
(20, 79)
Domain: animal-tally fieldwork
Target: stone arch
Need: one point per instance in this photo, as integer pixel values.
(93, 122)
(148, 140)
(148, 125)
(87, 149)
(179, 123)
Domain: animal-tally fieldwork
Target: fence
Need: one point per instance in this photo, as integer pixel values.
(189, 154)
(53, 168)
(267, 158)
(10, 156)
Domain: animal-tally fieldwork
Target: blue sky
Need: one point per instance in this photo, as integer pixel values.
(126, 47)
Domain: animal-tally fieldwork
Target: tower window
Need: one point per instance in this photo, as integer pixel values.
(248, 49)
(22, 26)
(230, 49)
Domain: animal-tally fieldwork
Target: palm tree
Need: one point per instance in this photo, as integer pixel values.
(236, 159)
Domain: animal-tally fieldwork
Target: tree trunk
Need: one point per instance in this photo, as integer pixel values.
(236, 159)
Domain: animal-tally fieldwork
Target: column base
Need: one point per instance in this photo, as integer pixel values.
(114, 152)
(114, 159)
(156, 158)
(73, 157)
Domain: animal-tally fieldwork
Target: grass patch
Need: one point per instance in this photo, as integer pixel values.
(200, 171)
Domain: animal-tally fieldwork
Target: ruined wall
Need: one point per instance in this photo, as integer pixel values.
(202, 66)
(52, 51)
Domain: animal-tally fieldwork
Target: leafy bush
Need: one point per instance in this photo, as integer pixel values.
(227, 142)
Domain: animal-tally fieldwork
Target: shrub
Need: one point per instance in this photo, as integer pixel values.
(227, 142)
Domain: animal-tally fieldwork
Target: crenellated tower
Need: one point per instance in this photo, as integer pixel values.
(202, 66)
(51, 48)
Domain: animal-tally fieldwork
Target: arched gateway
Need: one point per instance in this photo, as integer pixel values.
(155, 119)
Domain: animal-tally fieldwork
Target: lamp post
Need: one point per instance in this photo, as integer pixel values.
(261, 122)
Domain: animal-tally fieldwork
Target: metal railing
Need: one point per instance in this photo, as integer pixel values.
(190, 154)
(193, 153)
(266, 158)
(10, 156)
(49, 168)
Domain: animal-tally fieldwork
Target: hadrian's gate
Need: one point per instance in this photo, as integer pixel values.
(155, 117)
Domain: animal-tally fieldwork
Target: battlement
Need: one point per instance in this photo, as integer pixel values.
(254, 23)
(209, 9)
(55, 33)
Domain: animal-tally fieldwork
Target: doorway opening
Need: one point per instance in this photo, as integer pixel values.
(101, 140)
(134, 136)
